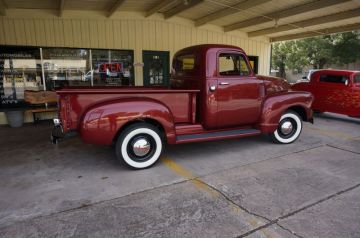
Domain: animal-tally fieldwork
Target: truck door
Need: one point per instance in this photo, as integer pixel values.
(239, 92)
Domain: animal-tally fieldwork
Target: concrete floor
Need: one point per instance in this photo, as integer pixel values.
(235, 188)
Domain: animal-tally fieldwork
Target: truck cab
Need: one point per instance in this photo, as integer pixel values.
(225, 78)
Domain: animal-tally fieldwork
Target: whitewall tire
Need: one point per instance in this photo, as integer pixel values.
(139, 146)
(289, 128)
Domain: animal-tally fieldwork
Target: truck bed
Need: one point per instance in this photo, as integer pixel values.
(75, 101)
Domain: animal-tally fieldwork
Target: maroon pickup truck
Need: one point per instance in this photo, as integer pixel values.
(213, 95)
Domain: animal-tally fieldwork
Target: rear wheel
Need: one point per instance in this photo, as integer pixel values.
(289, 128)
(139, 146)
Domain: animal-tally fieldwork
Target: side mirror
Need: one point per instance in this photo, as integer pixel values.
(304, 77)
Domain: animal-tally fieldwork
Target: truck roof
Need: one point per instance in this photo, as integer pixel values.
(335, 71)
(205, 47)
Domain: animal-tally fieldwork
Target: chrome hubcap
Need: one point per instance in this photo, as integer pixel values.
(141, 147)
(286, 128)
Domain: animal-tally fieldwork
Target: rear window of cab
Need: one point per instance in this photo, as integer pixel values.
(184, 64)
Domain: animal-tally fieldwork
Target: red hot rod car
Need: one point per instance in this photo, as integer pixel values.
(335, 91)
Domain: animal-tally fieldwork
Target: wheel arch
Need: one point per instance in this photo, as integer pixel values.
(299, 110)
(103, 123)
(150, 121)
(276, 105)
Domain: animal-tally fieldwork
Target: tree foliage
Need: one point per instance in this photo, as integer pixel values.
(341, 48)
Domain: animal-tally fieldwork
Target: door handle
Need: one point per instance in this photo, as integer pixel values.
(212, 88)
(224, 83)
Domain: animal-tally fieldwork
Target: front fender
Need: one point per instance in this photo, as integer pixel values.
(274, 107)
(101, 122)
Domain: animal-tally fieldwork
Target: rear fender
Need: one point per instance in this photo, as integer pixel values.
(274, 107)
(101, 123)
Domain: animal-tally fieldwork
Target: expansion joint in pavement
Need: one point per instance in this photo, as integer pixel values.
(339, 148)
(276, 221)
(286, 229)
(317, 202)
(297, 152)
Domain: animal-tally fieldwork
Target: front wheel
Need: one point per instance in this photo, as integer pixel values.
(289, 128)
(139, 146)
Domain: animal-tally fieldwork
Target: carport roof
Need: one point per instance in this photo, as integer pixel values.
(277, 19)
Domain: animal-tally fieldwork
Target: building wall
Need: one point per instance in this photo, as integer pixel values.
(125, 30)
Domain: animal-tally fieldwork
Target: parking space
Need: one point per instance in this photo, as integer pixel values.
(235, 188)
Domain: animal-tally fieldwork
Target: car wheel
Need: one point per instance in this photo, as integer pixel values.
(289, 128)
(139, 146)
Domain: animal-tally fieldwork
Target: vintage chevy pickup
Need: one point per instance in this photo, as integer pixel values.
(213, 95)
(336, 91)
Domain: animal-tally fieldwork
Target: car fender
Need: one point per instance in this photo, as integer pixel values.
(101, 123)
(275, 105)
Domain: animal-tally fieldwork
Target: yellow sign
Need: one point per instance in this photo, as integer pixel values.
(188, 63)
(252, 63)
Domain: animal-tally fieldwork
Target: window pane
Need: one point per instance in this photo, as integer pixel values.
(357, 79)
(233, 65)
(66, 67)
(113, 67)
(184, 64)
(333, 78)
(20, 70)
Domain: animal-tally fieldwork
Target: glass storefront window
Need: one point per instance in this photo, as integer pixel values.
(66, 67)
(23, 68)
(112, 67)
(20, 70)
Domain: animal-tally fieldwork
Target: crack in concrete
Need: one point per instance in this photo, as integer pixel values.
(340, 148)
(298, 151)
(287, 229)
(234, 203)
(270, 222)
(275, 221)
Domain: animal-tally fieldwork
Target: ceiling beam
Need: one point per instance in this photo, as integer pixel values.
(326, 31)
(115, 7)
(3, 7)
(184, 5)
(61, 8)
(306, 23)
(283, 13)
(160, 5)
(242, 6)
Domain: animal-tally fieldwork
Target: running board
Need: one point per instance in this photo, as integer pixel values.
(217, 135)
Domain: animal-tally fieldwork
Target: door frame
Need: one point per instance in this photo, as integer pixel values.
(256, 63)
(166, 78)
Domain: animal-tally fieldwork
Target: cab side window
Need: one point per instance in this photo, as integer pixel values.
(340, 79)
(233, 65)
